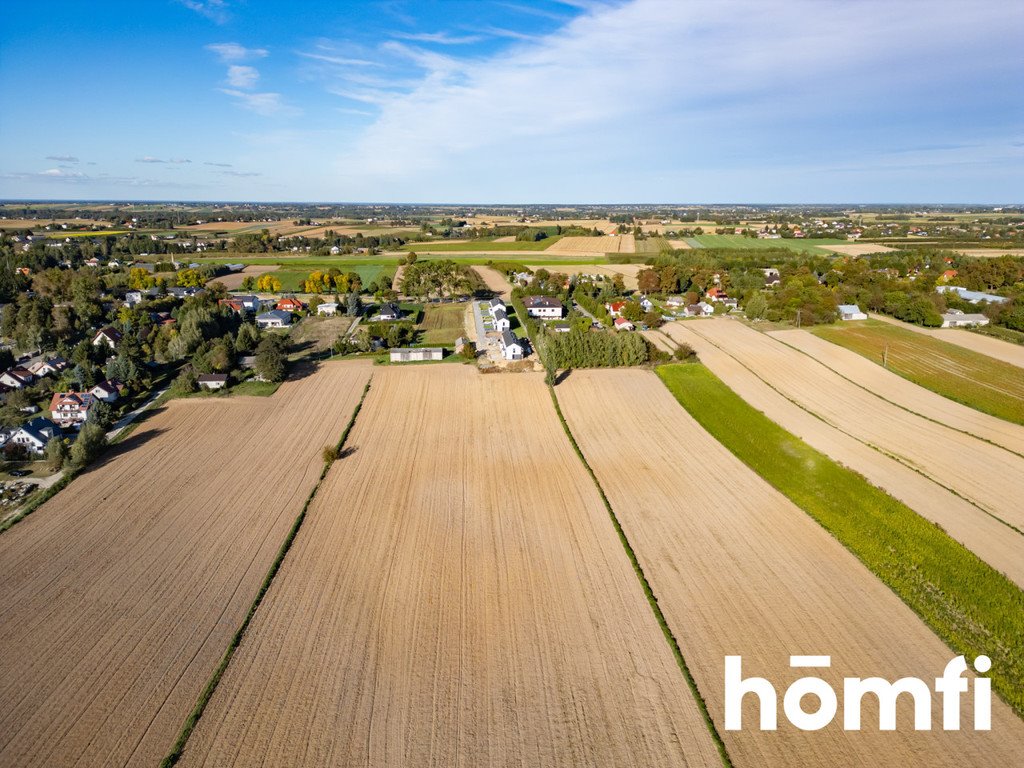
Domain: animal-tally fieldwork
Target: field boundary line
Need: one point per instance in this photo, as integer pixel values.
(652, 599)
(894, 456)
(178, 749)
(900, 405)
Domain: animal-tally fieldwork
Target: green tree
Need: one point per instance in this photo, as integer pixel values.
(91, 441)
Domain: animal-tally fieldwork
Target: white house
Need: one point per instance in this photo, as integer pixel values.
(546, 307)
(851, 312)
(494, 305)
(700, 309)
(33, 435)
(972, 296)
(212, 380)
(957, 319)
(511, 347)
(328, 308)
(107, 391)
(675, 301)
(16, 378)
(622, 324)
(69, 409)
(389, 311)
(275, 318)
(501, 321)
(109, 337)
(646, 304)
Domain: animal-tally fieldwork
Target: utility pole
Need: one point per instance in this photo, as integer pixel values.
(798, 318)
(885, 357)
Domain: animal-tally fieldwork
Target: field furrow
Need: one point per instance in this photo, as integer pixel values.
(457, 596)
(905, 394)
(738, 569)
(989, 476)
(120, 595)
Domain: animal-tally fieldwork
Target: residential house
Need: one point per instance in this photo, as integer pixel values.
(212, 380)
(389, 311)
(501, 321)
(416, 354)
(234, 305)
(615, 308)
(675, 301)
(327, 308)
(249, 302)
(16, 378)
(562, 327)
(290, 304)
(275, 318)
(108, 391)
(41, 368)
(646, 304)
(622, 324)
(33, 435)
(546, 307)
(134, 298)
(184, 293)
(716, 293)
(851, 312)
(954, 318)
(109, 337)
(494, 305)
(511, 347)
(948, 275)
(700, 309)
(71, 409)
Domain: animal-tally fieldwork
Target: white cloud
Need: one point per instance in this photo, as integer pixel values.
(241, 76)
(441, 38)
(709, 80)
(149, 159)
(267, 104)
(214, 10)
(63, 158)
(235, 52)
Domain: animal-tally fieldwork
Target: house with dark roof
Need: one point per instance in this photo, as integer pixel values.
(547, 307)
(109, 337)
(212, 380)
(33, 435)
(275, 318)
(389, 311)
(511, 347)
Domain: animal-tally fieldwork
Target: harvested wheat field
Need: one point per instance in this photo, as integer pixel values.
(976, 342)
(858, 249)
(462, 600)
(738, 569)
(120, 596)
(679, 245)
(987, 537)
(495, 281)
(571, 246)
(628, 271)
(888, 385)
(989, 476)
(233, 281)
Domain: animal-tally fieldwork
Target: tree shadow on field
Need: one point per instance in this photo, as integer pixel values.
(346, 452)
(301, 369)
(562, 376)
(136, 439)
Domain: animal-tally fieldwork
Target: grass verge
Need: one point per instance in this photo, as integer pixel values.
(972, 607)
(971, 378)
(207, 692)
(646, 585)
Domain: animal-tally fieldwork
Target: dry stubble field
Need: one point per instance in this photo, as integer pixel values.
(456, 596)
(568, 246)
(121, 594)
(738, 569)
(989, 476)
(981, 533)
(986, 345)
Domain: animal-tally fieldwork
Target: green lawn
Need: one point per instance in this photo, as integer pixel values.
(292, 279)
(738, 241)
(971, 378)
(442, 324)
(968, 604)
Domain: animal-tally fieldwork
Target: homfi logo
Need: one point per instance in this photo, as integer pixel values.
(951, 686)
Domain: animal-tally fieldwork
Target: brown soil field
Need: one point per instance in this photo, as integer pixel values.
(233, 281)
(396, 281)
(738, 569)
(495, 281)
(585, 245)
(628, 271)
(659, 340)
(120, 595)
(679, 244)
(986, 345)
(460, 601)
(981, 533)
(904, 393)
(989, 476)
(858, 249)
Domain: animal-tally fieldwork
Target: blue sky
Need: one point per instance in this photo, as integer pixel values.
(514, 100)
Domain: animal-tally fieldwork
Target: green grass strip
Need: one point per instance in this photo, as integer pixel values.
(211, 686)
(971, 606)
(651, 597)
